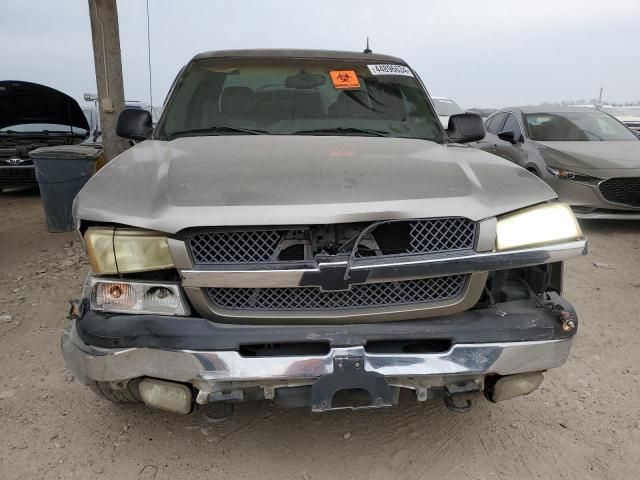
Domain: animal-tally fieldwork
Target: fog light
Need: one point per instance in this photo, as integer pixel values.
(512, 386)
(137, 297)
(169, 396)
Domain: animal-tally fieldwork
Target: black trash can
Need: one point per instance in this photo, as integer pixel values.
(61, 173)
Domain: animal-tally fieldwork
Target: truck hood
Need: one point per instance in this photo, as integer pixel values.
(288, 180)
(606, 155)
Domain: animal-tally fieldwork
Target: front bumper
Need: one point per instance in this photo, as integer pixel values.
(510, 338)
(91, 363)
(588, 203)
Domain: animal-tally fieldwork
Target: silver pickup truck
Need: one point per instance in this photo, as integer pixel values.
(299, 227)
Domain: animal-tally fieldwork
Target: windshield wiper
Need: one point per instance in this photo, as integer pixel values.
(339, 130)
(215, 130)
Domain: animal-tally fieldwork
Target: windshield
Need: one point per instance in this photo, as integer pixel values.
(298, 96)
(446, 107)
(576, 126)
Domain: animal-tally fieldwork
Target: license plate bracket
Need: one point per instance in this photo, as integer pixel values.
(349, 374)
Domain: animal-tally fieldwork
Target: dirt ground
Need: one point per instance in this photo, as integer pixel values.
(584, 423)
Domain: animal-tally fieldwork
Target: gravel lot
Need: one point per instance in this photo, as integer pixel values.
(584, 423)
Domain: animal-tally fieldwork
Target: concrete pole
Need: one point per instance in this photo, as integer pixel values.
(106, 55)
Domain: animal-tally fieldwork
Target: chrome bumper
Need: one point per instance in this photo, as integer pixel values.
(208, 368)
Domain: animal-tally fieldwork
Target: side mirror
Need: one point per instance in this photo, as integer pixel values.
(134, 124)
(507, 136)
(466, 127)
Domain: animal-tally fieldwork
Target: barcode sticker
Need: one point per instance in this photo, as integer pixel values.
(390, 69)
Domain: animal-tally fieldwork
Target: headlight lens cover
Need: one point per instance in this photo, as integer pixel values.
(137, 297)
(539, 225)
(126, 250)
(572, 176)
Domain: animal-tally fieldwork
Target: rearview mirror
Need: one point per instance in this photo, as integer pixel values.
(134, 124)
(466, 127)
(507, 136)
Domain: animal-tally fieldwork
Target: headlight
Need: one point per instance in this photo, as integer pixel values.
(137, 297)
(539, 225)
(572, 176)
(125, 251)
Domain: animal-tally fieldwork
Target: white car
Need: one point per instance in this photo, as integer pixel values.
(445, 107)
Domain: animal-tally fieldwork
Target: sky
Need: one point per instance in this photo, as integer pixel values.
(482, 53)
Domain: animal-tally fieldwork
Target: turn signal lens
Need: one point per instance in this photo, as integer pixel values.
(539, 225)
(126, 250)
(117, 294)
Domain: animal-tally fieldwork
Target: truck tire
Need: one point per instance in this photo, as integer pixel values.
(118, 394)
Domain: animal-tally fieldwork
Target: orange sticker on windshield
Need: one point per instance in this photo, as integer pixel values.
(344, 79)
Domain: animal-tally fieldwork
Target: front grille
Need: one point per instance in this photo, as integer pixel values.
(212, 248)
(622, 190)
(17, 177)
(400, 237)
(432, 235)
(369, 295)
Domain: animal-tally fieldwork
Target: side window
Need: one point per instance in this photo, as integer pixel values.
(487, 124)
(495, 123)
(513, 125)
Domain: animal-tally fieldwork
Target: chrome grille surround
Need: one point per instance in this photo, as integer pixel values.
(473, 263)
(371, 295)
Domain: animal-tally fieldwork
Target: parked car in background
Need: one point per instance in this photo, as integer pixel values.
(445, 107)
(589, 158)
(630, 116)
(299, 227)
(483, 112)
(33, 116)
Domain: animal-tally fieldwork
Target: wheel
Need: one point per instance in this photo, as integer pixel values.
(534, 171)
(118, 392)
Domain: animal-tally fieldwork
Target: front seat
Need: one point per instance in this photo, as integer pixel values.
(237, 104)
(307, 103)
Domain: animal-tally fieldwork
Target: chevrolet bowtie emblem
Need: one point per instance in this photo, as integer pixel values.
(331, 277)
